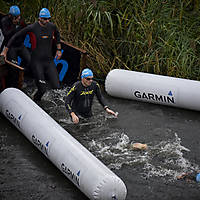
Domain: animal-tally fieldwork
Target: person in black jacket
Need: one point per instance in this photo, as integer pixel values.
(11, 24)
(80, 97)
(42, 34)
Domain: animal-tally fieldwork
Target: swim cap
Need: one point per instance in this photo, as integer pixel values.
(44, 13)
(14, 11)
(198, 177)
(86, 72)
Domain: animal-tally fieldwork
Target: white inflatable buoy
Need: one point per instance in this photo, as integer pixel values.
(88, 173)
(153, 88)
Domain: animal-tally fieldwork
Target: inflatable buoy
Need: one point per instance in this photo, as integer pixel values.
(153, 88)
(88, 173)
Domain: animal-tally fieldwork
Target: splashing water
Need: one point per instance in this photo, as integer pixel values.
(164, 159)
(113, 147)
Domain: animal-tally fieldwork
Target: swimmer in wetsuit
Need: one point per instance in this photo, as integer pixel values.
(41, 35)
(190, 177)
(11, 24)
(80, 97)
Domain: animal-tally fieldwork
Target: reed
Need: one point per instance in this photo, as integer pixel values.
(161, 37)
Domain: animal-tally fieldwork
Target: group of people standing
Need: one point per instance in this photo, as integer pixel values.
(40, 61)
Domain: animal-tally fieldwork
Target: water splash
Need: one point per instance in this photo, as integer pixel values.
(165, 159)
(161, 159)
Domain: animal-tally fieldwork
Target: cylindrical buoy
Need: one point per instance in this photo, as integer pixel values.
(80, 166)
(153, 88)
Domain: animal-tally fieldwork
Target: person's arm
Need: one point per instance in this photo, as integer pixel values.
(58, 44)
(99, 96)
(102, 101)
(58, 52)
(21, 33)
(68, 100)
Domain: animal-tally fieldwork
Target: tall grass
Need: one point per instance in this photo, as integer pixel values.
(161, 37)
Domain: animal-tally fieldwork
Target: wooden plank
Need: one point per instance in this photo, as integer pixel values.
(14, 65)
(79, 49)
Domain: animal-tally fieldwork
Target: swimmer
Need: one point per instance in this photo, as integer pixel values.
(80, 97)
(43, 33)
(189, 177)
(138, 146)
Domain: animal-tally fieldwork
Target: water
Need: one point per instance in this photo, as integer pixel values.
(172, 136)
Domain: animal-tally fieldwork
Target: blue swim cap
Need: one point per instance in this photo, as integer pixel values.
(86, 72)
(44, 13)
(198, 177)
(14, 11)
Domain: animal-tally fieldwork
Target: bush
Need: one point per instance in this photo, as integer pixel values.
(160, 37)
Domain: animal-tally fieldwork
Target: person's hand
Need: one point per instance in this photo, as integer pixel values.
(109, 111)
(75, 118)
(58, 54)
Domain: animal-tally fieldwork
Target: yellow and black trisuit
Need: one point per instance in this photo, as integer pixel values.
(79, 98)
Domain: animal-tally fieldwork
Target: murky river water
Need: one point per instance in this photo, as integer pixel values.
(172, 136)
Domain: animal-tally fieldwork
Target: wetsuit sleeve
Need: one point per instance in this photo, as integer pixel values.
(21, 33)
(99, 96)
(69, 98)
(57, 35)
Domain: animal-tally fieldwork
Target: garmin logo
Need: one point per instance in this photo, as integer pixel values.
(74, 177)
(13, 119)
(155, 97)
(40, 145)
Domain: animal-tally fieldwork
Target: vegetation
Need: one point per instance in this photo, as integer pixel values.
(155, 36)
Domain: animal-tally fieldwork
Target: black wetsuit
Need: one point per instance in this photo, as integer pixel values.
(16, 49)
(42, 63)
(79, 98)
(9, 29)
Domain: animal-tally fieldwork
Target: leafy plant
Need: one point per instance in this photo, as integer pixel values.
(161, 37)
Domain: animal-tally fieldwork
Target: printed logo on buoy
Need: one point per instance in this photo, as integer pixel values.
(155, 97)
(73, 176)
(13, 119)
(40, 145)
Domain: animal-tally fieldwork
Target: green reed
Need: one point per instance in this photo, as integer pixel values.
(161, 37)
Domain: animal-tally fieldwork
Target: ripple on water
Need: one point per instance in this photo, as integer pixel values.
(112, 146)
(165, 159)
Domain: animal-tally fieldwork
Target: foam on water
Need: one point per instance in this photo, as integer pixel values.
(161, 159)
(165, 159)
